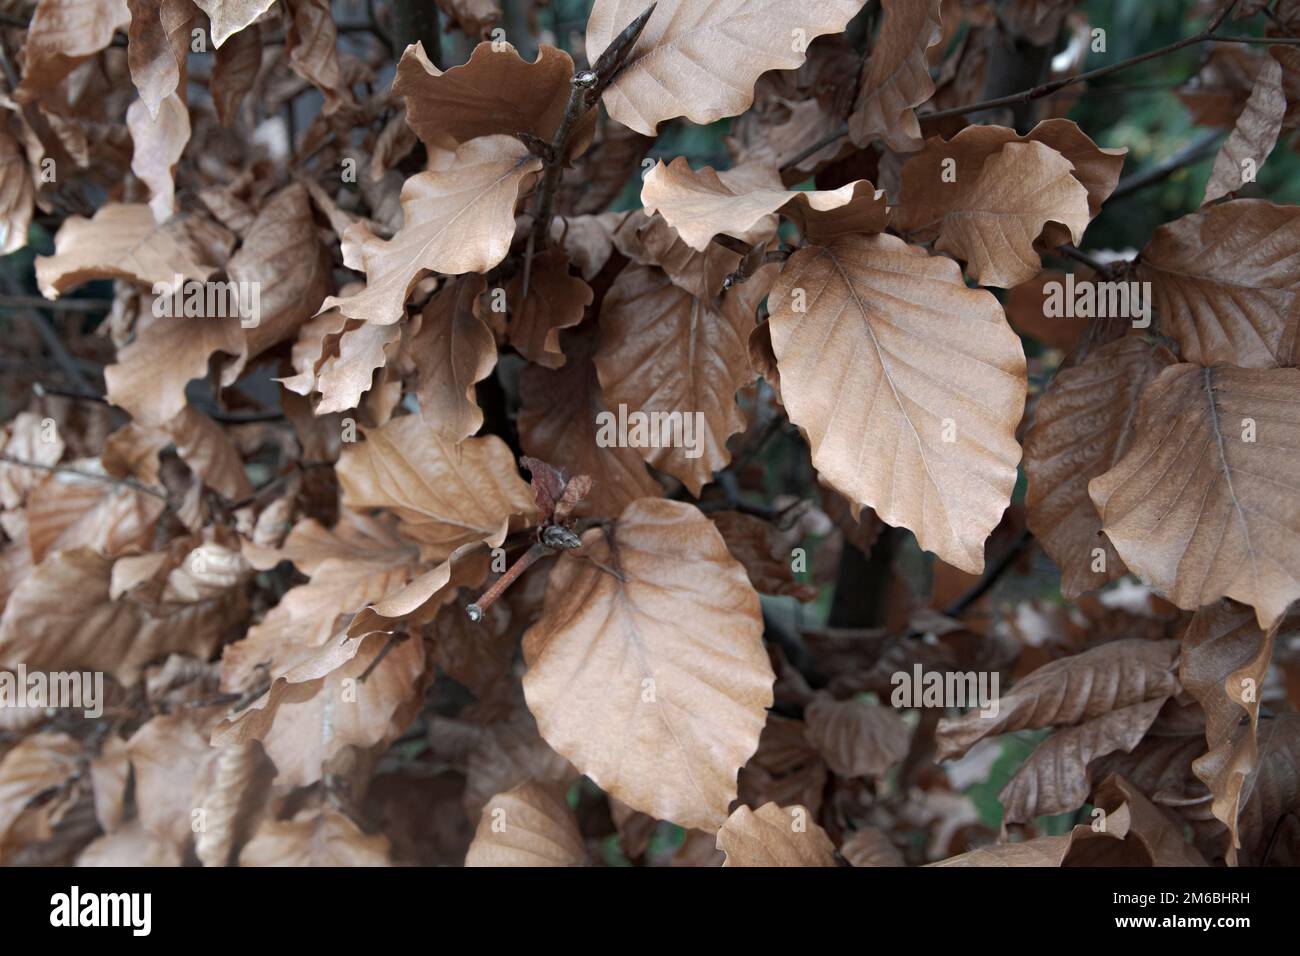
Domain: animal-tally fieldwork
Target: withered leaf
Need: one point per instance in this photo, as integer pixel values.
(1252, 138)
(896, 78)
(1200, 506)
(774, 836)
(453, 350)
(458, 219)
(1224, 283)
(664, 352)
(1083, 426)
(530, 825)
(701, 58)
(895, 352)
(647, 669)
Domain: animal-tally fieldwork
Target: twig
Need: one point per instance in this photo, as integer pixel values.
(58, 305)
(65, 470)
(1078, 255)
(1193, 152)
(585, 89)
(489, 597)
(991, 576)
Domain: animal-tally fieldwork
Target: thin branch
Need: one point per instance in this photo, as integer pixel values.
(991, 576)
(1193, 152)
(57, 305)
(65, 470)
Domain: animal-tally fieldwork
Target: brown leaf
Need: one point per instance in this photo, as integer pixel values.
(774, 836)
(1199, 507)
(61, 35)
(858, 739)
(702, 203)
(896, 77)
(231, 802)
(283, 256)
(311, 44)
(234, 71)
(663, 353)
(124, 242)
(558, 421)
(158, 41)
(230, 16)
(1225, 659)
(870, 847)
(211, 455)
(445, 495)
(927, 194)
(1252, 138)
(994, 224)
(701, 59)
(530, 825)
(1083, 426)
(1224, 283)
(453, 350)
(33, 766)
(497, 92)
(318, 705)
(1069, 691)
(893, 350)
(556, 300)
(755, 544)
(323, 837)
(63, 616)
(647, 668)
(17, 195)
(458, 219)
(1056, 778)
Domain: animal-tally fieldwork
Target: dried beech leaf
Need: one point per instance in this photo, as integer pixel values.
(556, 300)
(61, 35)
(870, 847)
(701, 203)
(497, 92)
(1069, 691)
(459, 219)
(1224, 282)
(665, 352)
(893, 353)
(124, 242)
(323, 837)
(647, 668)
(158, 41)
(230, 16)
(701, 58)
(453, 350)
(896, 78)
(1253, 136)
(774, 836)
(944, 172)
(1083, 426)
(858, 739)
(446, 495)
(558, 422)
(994, 224)
(1055, 778)
(1224, 663)
(530, 825)
(1201, 506)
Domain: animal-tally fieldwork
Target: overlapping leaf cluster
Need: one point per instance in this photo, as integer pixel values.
(286, 543)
